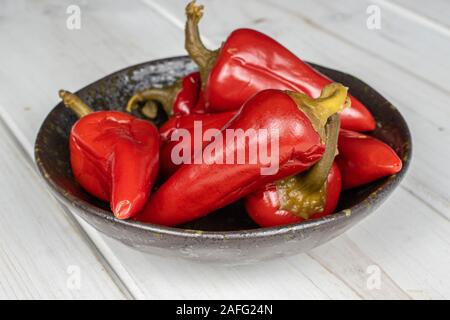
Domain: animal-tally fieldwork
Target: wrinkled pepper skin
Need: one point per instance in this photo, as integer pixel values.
(195, 190)
(209, 121)
(363, 159)
(250, 61)
(187, 97)
(115, 157)
(263, 206)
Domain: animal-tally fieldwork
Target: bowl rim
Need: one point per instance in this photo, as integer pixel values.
(69, 199)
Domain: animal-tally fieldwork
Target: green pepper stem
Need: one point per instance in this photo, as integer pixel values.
(74, 103)
(202, 56)
(305, 194)
(166, 96)
(315, 178)
(332, 99)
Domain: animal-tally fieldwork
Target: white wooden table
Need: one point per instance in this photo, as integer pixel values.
(406, 242)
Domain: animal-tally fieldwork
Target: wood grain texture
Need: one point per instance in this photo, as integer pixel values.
(407, 239)
(436, 12)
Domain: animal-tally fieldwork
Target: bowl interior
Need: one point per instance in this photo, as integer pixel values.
(113, 92)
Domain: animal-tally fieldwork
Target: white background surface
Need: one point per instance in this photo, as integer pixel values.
(407, 60)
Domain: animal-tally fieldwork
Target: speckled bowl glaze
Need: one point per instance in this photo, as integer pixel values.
(227, 236)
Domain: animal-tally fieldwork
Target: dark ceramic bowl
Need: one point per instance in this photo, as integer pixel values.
(228, 235)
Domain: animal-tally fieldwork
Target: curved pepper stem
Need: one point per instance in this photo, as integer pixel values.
(202, 56)
(332, 99)
(74, 103)
(305, 194)
(166, 96)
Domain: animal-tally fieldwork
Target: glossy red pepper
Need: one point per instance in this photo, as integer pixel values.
(263, 206)
(114, 156)
(311, 194)
(181, 98)
(249, 62)
(186, 122)
(363, 159)
(299, 122)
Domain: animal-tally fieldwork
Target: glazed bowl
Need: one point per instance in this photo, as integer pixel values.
(228, 235)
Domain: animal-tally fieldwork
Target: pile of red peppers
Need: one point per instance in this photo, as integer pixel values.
(251, 83)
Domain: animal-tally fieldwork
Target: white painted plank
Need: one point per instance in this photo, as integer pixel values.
(41, 249)
(435, 12)
(114, 36)
(402, 42)
(294, 278)
(405, 240)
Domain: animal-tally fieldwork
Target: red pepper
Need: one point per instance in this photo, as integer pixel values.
(249, 62)
(186, 122)
(263, 206)
(114, 156)
(363, 159)
(209, 120)
(195, 190)
(312, 194)
(181, 98)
